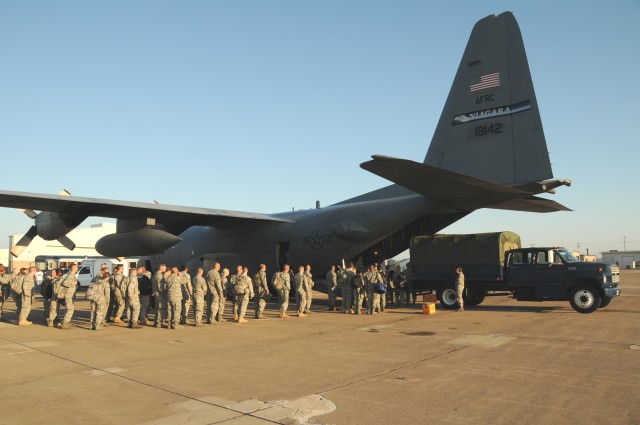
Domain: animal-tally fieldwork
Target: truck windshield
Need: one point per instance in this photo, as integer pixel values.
(567, 256)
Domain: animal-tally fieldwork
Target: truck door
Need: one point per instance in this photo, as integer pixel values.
(520, 269)
(549, 274)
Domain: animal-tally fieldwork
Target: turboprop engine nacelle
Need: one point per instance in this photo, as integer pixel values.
(146, 241)
(52, 225)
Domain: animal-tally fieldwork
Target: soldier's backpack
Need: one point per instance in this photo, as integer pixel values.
(61, 293)
(256, 279)
(16, 284)
(357, 281)
(240, 286)
(277, 281)
(92, 291)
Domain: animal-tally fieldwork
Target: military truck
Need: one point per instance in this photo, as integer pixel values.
(497, 262)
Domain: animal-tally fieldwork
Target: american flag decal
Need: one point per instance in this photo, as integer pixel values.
(482, 82)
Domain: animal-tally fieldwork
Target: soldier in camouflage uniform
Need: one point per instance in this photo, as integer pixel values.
(173, 289)
(215, 293)
(68, 286)
(281, 281)
(133, 298)
(399, 283)
(348, 276)
(302, 287)
(200, 288)
(120, 288)
(372, 277)
(310, 284)
(187, 294)
(243, 289)
(5, 284)
(54, 303)
(383, 297)
(331, 281)
(16, 289)
(226, 288)
(146, 289)
(160, 296)
(27, 297)
(460, 288)
(261, 291)
(101, 296)
(358, 292)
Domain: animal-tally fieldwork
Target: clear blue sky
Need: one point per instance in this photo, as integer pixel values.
(268, 105)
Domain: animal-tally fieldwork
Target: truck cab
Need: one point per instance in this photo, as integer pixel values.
(553, 273)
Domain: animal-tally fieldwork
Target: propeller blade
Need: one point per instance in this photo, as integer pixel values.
(64, 192)
(24, 241)
(67, 243)
(29, 213)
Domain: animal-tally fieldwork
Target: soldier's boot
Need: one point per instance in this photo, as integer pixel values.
(301, 314)
(281, 315)
(156, 325)
(50, 324)
(235, 317)
(198, 324)
(177, 326)
(143, 321)
(98, 328)
(118, 321)
(23, 322)
(242, 320)
(135, 326)
(67, 325)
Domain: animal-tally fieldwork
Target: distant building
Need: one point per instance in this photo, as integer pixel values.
(624, 259)
(84, 237)
(584, 257)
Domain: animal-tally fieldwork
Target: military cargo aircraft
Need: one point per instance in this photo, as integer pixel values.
(488, 151)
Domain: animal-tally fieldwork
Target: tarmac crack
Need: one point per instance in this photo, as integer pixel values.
(392, 370)
(155, 387)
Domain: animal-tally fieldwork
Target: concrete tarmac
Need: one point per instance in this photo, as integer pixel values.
(503, 362)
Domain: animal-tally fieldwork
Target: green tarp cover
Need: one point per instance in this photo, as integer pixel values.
(477, 248)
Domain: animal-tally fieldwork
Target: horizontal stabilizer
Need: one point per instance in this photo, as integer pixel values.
(532, 204)
(455, 190)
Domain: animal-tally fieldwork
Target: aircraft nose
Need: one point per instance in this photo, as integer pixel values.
(350, 230)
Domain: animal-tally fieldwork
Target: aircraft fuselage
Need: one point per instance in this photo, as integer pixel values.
(319, 237)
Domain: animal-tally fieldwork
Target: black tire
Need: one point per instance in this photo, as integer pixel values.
(476, 297)
(448, 298)
(584, 298)
(605, 302)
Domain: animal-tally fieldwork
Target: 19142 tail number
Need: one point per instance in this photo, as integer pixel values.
(485, 130)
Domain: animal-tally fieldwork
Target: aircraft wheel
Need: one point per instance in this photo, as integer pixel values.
(584, 298)
(448, 298)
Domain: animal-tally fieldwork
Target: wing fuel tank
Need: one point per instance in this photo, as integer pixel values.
(138, 242)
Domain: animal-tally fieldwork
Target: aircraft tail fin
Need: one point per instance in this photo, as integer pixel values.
(490, 127)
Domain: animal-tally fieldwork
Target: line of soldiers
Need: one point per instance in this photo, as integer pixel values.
(115, 298)
(372, 287)
(58, 291)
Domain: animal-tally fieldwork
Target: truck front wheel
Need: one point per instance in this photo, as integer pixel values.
(605, 302)
(448, 298)
(584, 298)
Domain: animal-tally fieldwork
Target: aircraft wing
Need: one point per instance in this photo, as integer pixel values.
(456, 190)
(168, 215)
